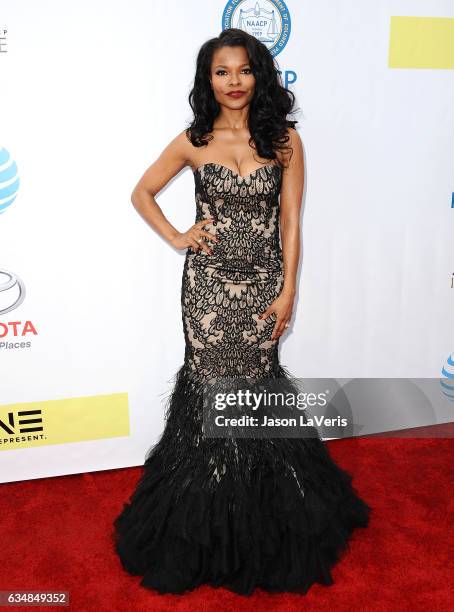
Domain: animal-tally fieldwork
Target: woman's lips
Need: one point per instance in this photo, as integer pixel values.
(236, 94)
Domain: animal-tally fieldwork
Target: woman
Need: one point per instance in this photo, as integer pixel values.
(234, 512)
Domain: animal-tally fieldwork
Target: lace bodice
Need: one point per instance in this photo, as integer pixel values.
(245, 211)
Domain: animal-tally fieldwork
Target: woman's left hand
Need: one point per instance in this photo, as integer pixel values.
(282, 308)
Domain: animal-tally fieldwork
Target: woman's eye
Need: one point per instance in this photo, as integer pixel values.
(222, 72)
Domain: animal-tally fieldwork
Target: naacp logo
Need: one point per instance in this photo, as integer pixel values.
(267, 20)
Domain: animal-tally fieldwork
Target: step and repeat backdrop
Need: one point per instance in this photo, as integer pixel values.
(90, 323)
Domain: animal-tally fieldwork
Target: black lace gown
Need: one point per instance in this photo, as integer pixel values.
(238, 513)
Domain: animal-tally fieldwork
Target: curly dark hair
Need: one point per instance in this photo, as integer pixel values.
(270, 104)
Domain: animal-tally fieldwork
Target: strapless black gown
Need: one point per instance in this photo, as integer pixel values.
(238, 513)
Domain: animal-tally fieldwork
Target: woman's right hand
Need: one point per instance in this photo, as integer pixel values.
(194, 237)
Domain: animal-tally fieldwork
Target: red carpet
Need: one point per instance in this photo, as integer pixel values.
(56, 536)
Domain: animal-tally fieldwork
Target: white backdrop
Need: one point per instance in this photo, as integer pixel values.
(92, 92)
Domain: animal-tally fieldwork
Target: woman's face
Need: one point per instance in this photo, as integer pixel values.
(231, 77)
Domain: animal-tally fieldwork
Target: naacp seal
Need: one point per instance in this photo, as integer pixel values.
(267, 20)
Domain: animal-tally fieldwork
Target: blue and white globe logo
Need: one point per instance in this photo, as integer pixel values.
(267, 20)
(9, 180)
(447, 371)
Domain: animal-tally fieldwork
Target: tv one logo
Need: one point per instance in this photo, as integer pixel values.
(25, 421)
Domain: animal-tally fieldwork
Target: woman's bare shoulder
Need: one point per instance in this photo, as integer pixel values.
(178, 151)
(292, 147)
(294, 137)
